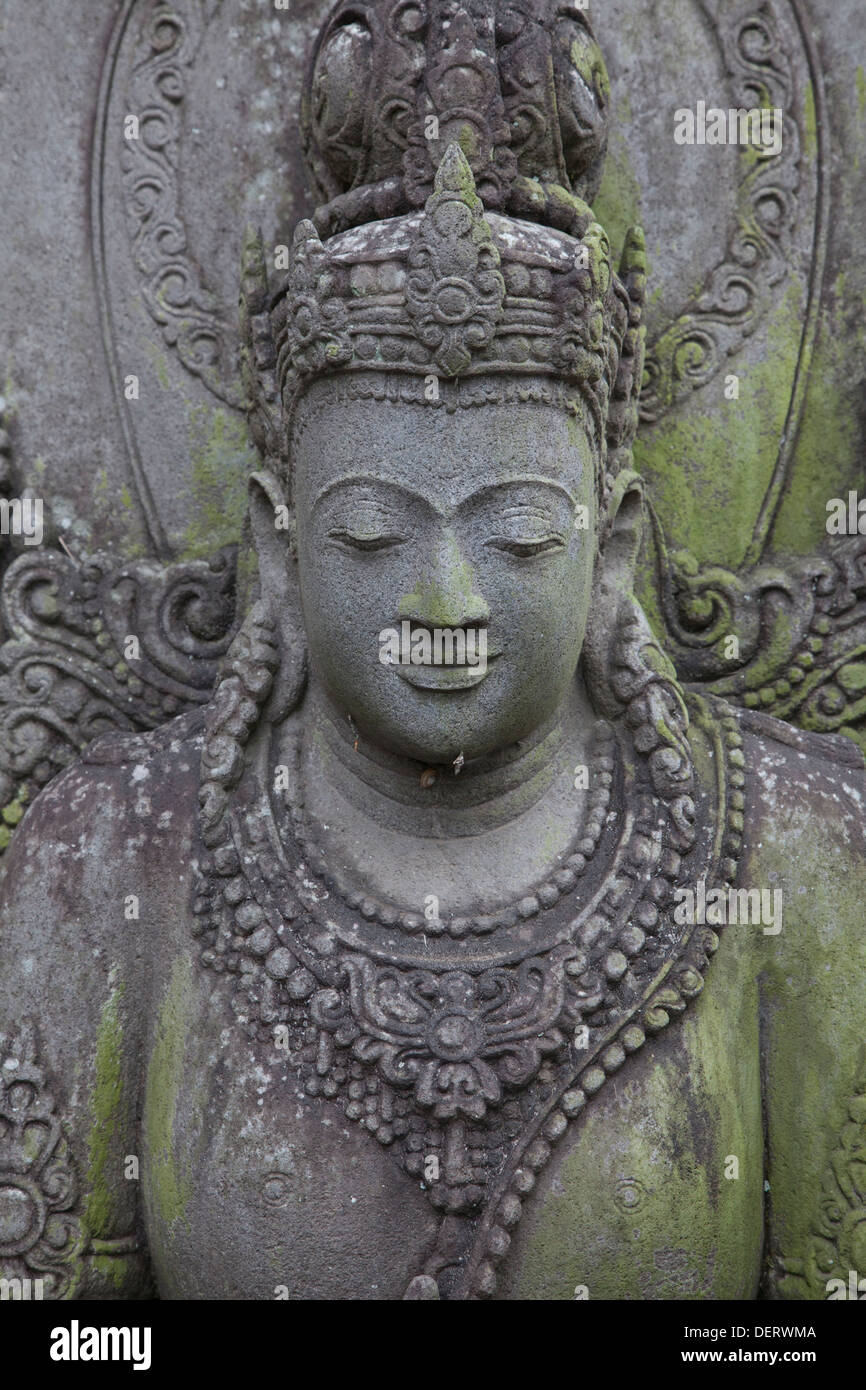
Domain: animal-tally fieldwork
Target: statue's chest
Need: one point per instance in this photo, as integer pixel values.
(256, 1189)
(282, 1201)
(658, 1193)
(357, 1100)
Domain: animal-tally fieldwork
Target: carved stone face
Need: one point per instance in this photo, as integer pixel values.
(412, 517)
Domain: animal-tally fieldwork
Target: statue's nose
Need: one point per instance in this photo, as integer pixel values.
(446, 594)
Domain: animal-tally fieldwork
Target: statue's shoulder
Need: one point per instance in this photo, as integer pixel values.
(173, 745)
(126, 802)
(778, 764)
(803, 786)
(809, 758)
(835, 749)
(137, 775)
(94, 882)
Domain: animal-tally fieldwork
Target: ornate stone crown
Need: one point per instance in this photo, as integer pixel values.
(409, 104)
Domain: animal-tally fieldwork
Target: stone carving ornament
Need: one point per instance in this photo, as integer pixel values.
(378, 969)
(555, 129)
(786, 666)
(41, 1233)
(66, 674)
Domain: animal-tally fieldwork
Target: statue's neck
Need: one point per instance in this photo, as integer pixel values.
(403, 794)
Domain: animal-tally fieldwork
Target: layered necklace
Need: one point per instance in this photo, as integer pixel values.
(466, 1047)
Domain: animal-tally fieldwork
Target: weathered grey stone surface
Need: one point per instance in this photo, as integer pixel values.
(364, 980)
(659, 56)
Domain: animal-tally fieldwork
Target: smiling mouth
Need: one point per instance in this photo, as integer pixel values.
(437, 658)
(445, 678)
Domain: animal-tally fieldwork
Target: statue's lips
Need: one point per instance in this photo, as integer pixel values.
(445, 677)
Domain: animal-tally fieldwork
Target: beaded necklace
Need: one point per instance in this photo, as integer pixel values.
(467, 1068)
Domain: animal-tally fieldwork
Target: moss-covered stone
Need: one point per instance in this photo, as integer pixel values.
(170, 1188)
(709, 461)
(221, 459)
(107, 1104)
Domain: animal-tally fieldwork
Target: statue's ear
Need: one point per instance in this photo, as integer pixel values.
(272, 527)
(273, 533)
(622, 528)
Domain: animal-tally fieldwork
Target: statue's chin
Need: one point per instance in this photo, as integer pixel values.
(437, 715)
(437, 746)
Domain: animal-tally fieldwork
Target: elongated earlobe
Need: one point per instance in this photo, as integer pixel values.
(613, 587)
(626, 672)
(272, 526)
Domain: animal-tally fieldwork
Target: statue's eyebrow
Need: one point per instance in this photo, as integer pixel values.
(516, 480)
(520, 480)
(367, 480)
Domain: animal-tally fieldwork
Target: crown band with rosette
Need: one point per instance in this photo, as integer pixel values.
(453, 290)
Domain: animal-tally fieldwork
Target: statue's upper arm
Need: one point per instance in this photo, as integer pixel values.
(69, 1049)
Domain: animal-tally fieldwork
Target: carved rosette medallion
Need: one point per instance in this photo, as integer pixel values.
(454, 287)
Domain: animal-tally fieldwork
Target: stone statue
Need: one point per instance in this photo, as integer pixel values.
(457, 950)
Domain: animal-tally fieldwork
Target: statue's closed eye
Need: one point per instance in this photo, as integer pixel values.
(527, 531)
(526, 548)
(364, 539)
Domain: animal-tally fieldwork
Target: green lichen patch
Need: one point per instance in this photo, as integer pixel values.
(121, 1271)
(171, 1189)
(709, 460)
(617, 204)
(810, 123)
(221, 461)
(107, 1106)
(12, 813)
(826, 459)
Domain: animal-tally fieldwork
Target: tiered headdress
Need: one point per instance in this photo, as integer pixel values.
(454, 143)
